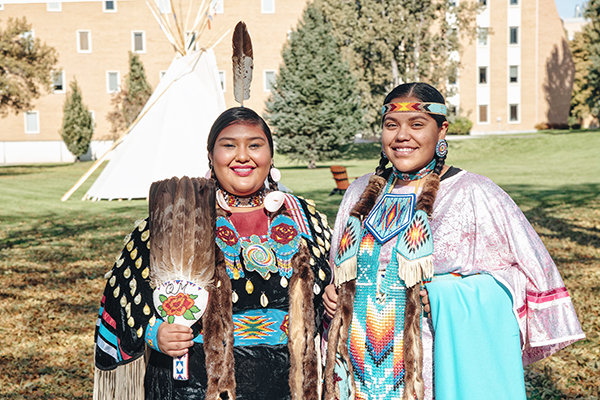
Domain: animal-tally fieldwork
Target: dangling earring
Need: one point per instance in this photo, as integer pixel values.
(275, 174)
(441, 148)
(208, 174)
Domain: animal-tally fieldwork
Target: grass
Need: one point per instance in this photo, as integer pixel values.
(53, 255)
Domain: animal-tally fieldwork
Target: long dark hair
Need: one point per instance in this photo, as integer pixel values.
(425, 93)
(238, 115)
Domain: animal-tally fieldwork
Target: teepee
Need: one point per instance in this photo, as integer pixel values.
(169, 136)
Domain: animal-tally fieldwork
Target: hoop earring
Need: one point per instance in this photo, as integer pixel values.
(275, 174)
(441, 148)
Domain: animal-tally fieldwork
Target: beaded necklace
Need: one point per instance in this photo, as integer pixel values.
(405, 176)
(253, 200)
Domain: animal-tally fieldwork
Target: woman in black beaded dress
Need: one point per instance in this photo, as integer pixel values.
(271, 263)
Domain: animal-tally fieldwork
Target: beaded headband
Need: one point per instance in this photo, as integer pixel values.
(430, 108)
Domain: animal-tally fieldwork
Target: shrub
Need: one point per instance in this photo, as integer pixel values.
(460, 126)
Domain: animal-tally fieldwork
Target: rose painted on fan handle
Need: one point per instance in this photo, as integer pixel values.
(227, 235)
(178, 305)
(283, 233)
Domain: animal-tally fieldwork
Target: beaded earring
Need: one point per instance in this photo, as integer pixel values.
(441, 148)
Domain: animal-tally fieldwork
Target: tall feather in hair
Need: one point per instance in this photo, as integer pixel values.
(243, 63)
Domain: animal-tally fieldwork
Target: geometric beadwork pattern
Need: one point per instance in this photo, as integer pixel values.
(390, 216)
(416, 241)
(430, 108)
(349, 242)
(376, 332)
(380, 331)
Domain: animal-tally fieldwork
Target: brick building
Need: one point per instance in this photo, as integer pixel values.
(516, 74)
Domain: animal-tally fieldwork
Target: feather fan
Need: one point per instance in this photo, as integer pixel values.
(182, 251)
(243, 63)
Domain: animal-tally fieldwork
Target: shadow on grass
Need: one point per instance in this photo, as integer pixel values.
(51, 229)
(540, 205)
(16, 170)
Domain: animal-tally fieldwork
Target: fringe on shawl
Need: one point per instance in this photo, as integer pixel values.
(413, 272)
(126, 382)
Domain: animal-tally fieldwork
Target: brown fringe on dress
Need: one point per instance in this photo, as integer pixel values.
(123, 383)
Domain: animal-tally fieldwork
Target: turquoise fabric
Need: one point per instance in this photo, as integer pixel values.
(477, 347)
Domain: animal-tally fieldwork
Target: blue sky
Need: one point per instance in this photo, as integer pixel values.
(567, 7)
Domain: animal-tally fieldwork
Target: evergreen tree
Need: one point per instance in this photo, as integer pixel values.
(25, 63)
(388, 42)
(77, 126)
(314, 107)
(579, 47)
(130, 100)
(592, 30)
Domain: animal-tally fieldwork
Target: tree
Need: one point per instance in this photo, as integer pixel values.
(580, 53)
(314, 107)
(25, 65)
(77, 126)
(388, 42)
(592, 30)
(130, 100)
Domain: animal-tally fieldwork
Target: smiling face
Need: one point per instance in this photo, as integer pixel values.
(409, 138)
(241, 159)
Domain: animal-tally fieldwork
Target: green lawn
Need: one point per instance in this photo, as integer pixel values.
(53, 254)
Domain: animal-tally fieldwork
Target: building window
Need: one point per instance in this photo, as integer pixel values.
(164, 6)
(267, 6)
(483, 114)
(58, 82)
(514, 35)
(112, 81)
(483, 75)
(483, 3)
(514, 113)
(1, 6)
(514, 2)
(138, 42)
(482, 37)
(268, 80)
(109, 6)
(161, 74)
(54, 6)
(32, 122)
(513, 74)
(84, 41)
(219, 9)
(222, 78)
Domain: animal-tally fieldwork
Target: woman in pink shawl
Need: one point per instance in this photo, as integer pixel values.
(442, 287)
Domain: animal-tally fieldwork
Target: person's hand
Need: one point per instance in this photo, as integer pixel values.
(425, 300)
(174, 339)
(330, 300)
